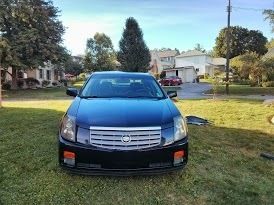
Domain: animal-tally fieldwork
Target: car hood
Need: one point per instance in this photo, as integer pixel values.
(124, 113)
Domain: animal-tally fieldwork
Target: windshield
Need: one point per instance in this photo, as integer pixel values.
(122, 86)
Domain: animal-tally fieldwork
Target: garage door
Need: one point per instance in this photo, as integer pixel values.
(189, 75)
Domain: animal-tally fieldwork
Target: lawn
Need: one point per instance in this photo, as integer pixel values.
(224, 163)
(244, 90)
(40, 93)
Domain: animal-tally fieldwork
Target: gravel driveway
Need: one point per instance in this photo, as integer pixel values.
(193, 90)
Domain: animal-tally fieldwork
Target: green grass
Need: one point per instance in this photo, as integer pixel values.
(244, 90)
(40, 93)
(224, 163)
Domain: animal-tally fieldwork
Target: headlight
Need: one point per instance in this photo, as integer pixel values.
(68, 128)
(180, 128)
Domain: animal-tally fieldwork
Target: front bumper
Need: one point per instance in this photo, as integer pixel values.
(96, 161)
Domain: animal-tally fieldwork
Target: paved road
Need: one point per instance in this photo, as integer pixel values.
(193, 90)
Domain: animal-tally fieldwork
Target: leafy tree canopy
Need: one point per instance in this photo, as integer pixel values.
(73, 65)
(134, 54)
(254, 67)
(242, 41)
(270, 44)
(100, 54)
(269, 15)
(199, 47)
(32, 31)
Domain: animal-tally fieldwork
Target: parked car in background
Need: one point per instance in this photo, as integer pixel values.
(171, 81)
(122, 123)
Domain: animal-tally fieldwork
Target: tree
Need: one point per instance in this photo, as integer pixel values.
(73, 66)
(268, 65)
(198, 47)
(100, 54)
(270, 44)
(242, 41)
(269, 15)
(33, 32)
(134, 54)
(249, 66)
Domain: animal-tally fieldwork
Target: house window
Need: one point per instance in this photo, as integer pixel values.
(48, 75)
(20, 74)
(41, 73)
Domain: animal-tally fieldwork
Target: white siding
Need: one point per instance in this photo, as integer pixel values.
(198, 62)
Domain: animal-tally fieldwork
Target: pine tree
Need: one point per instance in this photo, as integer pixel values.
(134, 54)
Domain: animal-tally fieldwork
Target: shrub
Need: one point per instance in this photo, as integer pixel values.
(6, 86)
(54, 83)
(45, 83)
(64, 82)
(253, 84)
(20, 83)
(32, 82)
(201, 76)
(82, 76)
(162, 74)
(268, 84)
(206, 76)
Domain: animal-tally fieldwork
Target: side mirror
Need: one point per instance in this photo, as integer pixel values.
(172, 94)
(72, 92)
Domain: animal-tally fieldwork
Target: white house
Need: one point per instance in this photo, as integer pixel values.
(202, 62)
(161, 60)
(47, 72)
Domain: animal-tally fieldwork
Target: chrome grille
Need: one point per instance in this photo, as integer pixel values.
(112, 137)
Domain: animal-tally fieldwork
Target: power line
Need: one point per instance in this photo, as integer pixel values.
(247, 9)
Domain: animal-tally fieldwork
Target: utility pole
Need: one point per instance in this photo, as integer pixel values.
(0, 88)
(227, 47)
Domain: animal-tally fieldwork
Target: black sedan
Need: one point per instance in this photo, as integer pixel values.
(122, 124)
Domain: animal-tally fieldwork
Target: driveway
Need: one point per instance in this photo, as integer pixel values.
(193, 90)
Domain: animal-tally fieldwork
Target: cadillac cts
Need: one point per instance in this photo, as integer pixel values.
(122, 124)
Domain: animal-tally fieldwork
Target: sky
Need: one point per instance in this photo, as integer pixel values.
(171, 24)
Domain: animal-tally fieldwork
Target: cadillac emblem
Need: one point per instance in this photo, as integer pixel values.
(126, 139)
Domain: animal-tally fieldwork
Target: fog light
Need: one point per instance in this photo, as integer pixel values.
(69, 158)
(178, 157)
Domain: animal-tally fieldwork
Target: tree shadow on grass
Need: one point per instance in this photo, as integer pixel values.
(224, 168)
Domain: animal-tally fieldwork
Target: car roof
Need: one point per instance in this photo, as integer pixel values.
(121, 73)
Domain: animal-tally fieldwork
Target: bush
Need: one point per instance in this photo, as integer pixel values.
(64, 82)
(206, 76)
(201, 76)
(268, 84)
(6, 86)
(82, 76)
(32, 82)
(20, 83)
(162, 74)
(54, 83)
(45, 83)
(253, 84)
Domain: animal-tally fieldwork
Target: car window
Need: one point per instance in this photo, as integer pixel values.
(122, 86)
